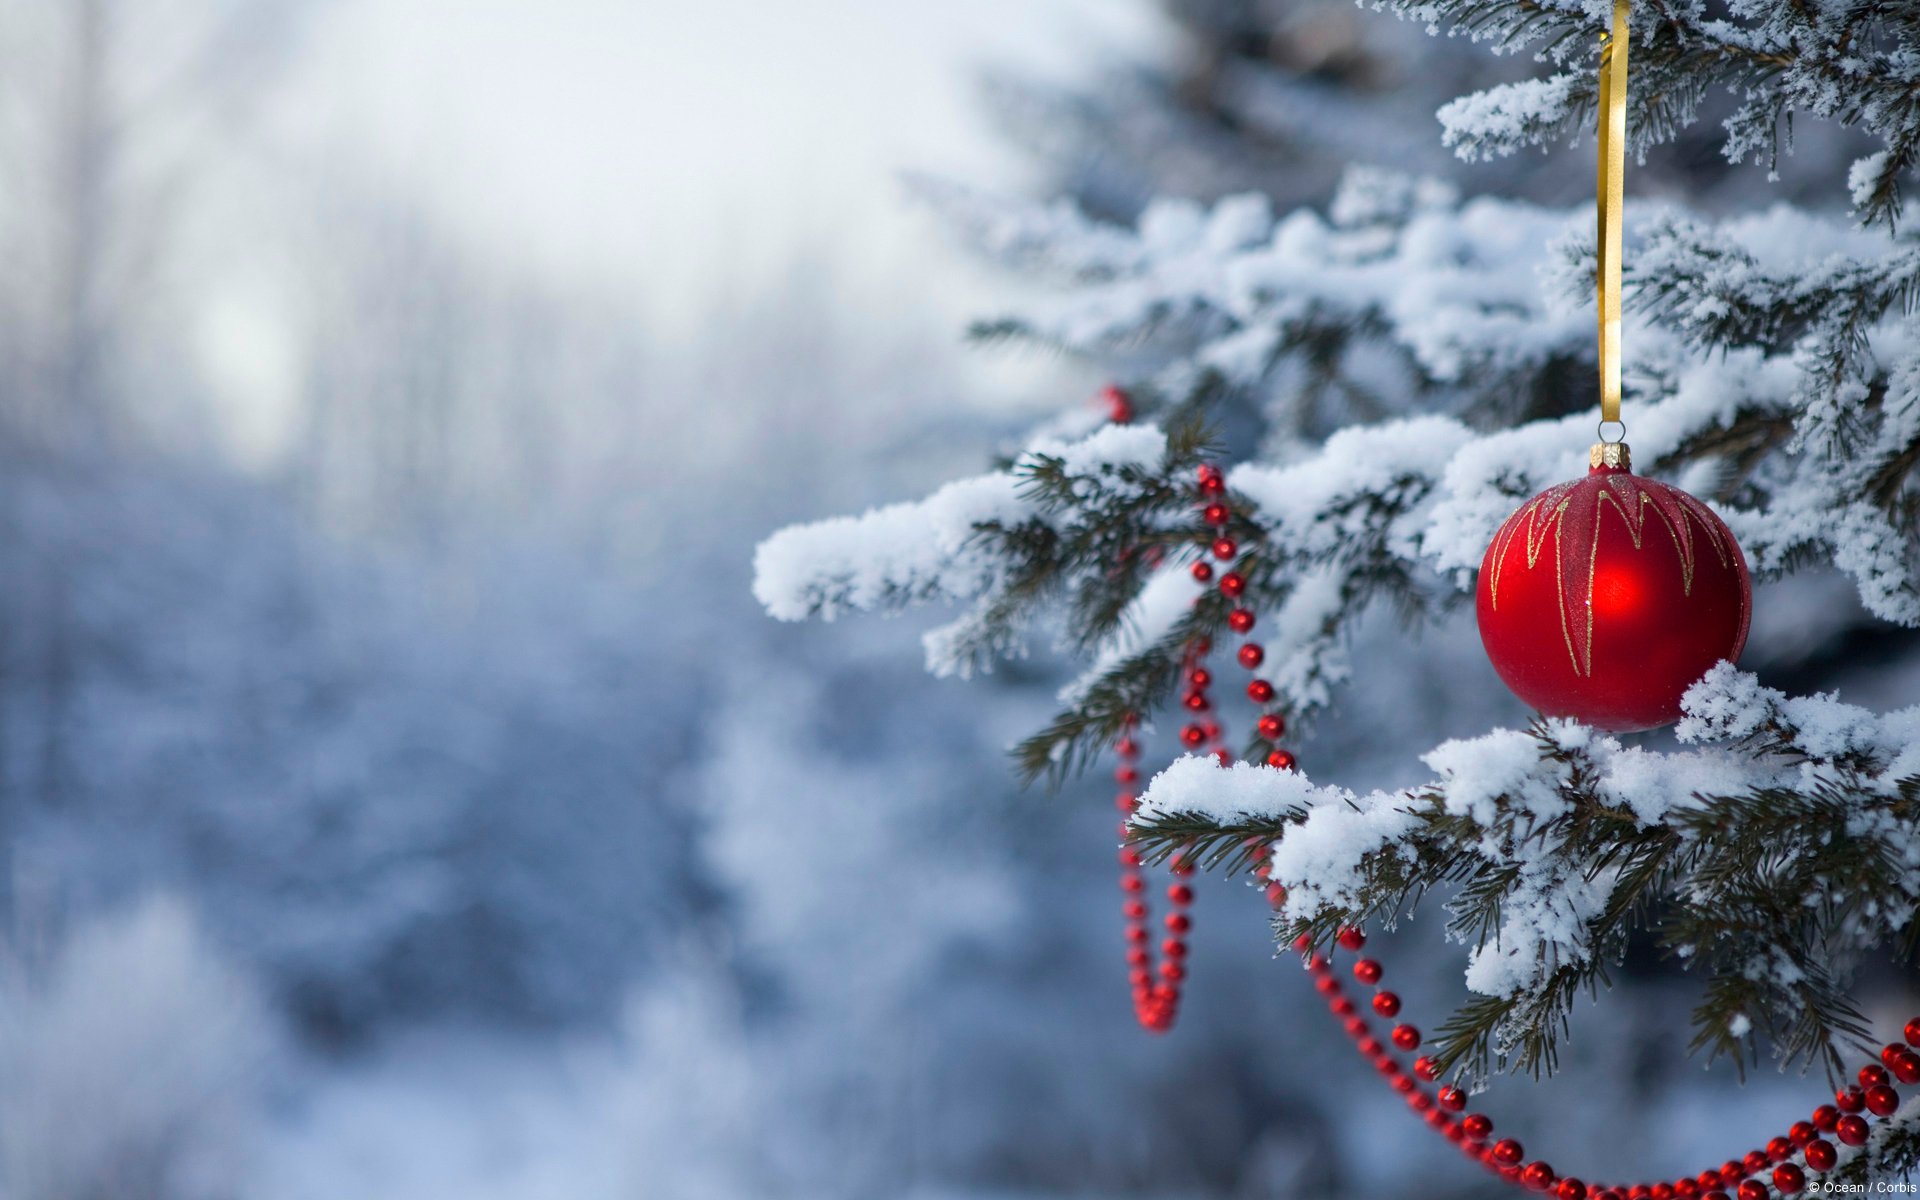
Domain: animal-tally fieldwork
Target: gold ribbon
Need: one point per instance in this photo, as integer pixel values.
(1612, 190)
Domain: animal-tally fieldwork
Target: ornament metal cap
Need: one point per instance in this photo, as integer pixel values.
(1611, 456)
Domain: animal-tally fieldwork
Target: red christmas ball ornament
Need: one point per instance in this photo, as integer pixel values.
(1605, 598)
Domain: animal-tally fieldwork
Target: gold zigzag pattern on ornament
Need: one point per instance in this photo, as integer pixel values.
(1552, 511)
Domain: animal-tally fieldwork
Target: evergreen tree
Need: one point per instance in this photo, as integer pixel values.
(1396, 374)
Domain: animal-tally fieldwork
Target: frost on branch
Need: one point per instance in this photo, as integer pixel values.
(1551, 844)
(1850, 63)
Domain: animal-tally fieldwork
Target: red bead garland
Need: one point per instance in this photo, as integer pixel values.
(1759, 1175)
(1156, 990)
(1783, 1168)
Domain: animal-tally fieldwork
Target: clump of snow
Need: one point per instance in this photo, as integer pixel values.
(1503, 119)
(1863, 178)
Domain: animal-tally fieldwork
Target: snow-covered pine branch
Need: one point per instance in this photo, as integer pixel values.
(1414, 365)
(1549, 840)
(1835, 60)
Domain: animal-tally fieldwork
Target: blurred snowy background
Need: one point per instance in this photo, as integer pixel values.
(404, 796)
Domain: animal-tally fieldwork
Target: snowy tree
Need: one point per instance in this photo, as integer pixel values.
(1406, 367)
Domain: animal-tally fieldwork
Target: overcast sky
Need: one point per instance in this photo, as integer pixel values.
(672, 150)
(666, 138)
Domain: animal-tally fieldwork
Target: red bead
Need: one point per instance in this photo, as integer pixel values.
(1906, 1066)
(1223, 756)
(1821, 1155)
(1180, 893)
(1282, 760)
(1779, 1149)
(1172, 972)
(1756, 1161)
(1716, 1195)
(1912, 1032)
(1825, 1118)
(1191, 736)
(1424, 1067)
(1233, 584)
(1356, 1027)
(1132, 883)
(1418, 1101)
(1260, 691)
(1686, 1189)
(1570, 1189)
(1138, 957)
(1196, 701)
(1476, 1125)
(1538, 1176)
(1216, 513)
(1852, 1130)
(1126, 774)
(1871, 1076)
(1251, 655)
(1125, 802)
(1134, 910)
(1371, 1047)
(1367, 971)
(1350, 938)
(1850, 1099)
(1386, 1004)
(1507, 1152)
(1225, 548)
(1751, 1189)
(1452, 1098)
(1882, 1100)
(1240, 620)
(1730, 1171)
(1801, 1132)
(1791, 1180)
(1406, 1037)
(1202, 571)
(1672, 596)
(1173, 947)
(1270, 726)
(1213, 486)
(1342, 1007)
(1708, 1180)
(1137, 934)
(1276, 895)
(1178, 922)
(1660, 1191)
(1129, 857)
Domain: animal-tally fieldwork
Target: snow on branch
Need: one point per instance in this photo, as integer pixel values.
(1550, 838)
(1849, 63)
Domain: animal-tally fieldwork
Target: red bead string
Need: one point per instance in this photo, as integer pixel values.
(1782, 1168)
(1756, 1175)
(1157, 989)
